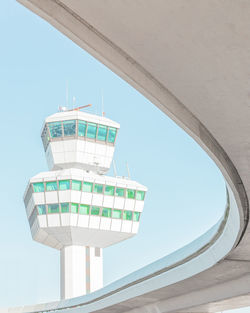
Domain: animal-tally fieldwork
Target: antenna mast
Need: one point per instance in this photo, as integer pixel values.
(73, 103)
(128, 170)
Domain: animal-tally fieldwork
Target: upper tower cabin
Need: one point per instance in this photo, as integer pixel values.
(80, 140)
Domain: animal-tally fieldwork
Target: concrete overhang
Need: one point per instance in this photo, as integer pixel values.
(191, 59)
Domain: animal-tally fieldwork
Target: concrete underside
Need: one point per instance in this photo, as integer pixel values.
(192, 60)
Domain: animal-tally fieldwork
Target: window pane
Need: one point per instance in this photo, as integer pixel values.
(41, 209)
(102, 133)
(112, 134)
(98, 188)
(117, 214)
(51, 185)
(106, 212)
(127, 215)
(95, 210)
(45, 137)
(84, 209)
(87, 187)
(76, 185)
(130, 193)
(55, 129)
(69, 128)
(82, 128)
(109, 190)
(53, 208)
(91, 131)
(74, 208)
(119, 192)
(64, 207)
(140, 195)
(64, 184)
(38, 187)
(136, 216)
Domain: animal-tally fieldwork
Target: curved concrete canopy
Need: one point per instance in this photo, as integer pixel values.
(191, 59)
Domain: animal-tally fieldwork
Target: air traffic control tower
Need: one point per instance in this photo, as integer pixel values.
(74, 207)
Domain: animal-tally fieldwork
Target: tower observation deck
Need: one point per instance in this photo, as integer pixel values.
(75, 207)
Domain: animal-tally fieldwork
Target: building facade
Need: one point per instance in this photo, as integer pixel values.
(75, 207)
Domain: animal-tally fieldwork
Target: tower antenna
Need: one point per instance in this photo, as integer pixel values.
(128, 170)
(114, 168)
(73, 102)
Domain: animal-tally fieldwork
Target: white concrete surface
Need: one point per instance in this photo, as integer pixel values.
(73, 271)
(80, 264)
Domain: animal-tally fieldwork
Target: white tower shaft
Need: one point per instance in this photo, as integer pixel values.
(81, 271)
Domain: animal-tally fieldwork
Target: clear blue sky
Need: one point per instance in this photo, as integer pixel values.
(186, 190)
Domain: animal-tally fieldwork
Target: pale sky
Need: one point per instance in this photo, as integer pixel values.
(186, 190)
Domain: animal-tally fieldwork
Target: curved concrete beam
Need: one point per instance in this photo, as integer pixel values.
(70, 22)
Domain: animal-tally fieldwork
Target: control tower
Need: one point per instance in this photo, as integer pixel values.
(74, 207)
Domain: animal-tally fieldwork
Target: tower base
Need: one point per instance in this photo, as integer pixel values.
(81, 270)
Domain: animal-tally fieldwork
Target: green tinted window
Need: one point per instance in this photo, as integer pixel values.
(82, 126)
(98, 188)
(140, 195)
(41, 209)
(87, 187)
(69, 128)
(91, 130)
(112, 134)
(76, 185)
(109, 190)
(130, 193)
(51, 186)
(55, 129)
(136, 216)
(127, 215)
(38, 187)
(95, 210)
(84, 209)
(64, 184)
(106, 212)
(64, 207)
(53, 208)
(119, 192)
(74, 208)
(102, 133)
(117, 214)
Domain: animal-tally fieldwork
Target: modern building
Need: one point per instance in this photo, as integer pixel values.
(75, 207)
(191, 60)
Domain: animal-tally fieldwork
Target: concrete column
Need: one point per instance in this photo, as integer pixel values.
(81, 271)
(96, 268)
